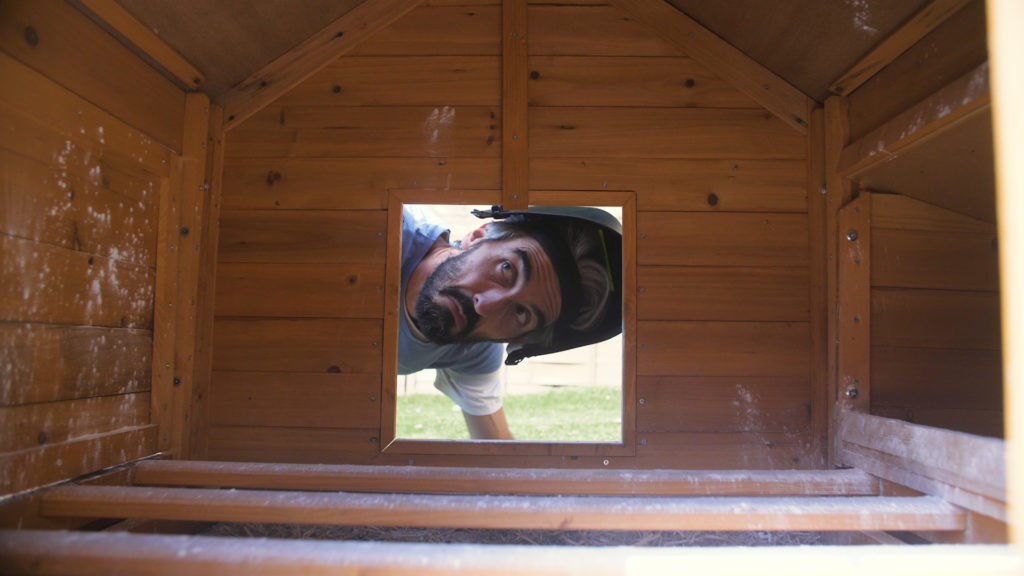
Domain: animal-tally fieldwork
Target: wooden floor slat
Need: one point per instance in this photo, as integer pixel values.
(506, 512)
(506, 481)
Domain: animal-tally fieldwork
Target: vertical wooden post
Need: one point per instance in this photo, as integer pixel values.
(818, 258)
(207, 273)
(515, 156)
(854, 257)
(180, 236)
(839, 191)
(1005, 19)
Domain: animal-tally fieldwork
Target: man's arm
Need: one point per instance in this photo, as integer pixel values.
(489, 426)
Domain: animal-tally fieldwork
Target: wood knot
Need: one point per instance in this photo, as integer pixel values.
(333, 370)
(566, 127)
(336, 89)
(273, 177)
(712, 199)
(353, 279)
(31, 37)
(690, 83)
(534, 75)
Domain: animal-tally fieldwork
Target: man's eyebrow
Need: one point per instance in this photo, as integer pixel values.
(524, 257)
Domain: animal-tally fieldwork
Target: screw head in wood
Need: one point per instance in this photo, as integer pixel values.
(851, 235)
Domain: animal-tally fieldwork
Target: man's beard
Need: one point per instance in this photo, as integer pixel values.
(435, 321)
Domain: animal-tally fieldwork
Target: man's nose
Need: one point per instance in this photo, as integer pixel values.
(489, 301)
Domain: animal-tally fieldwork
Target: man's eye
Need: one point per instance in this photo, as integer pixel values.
(506, 269)
(522, 315)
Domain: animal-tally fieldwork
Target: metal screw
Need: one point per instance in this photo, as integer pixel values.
(642, 401)
(852, 393)
(851, 235)
(373, 398)
(515, 137)
(643, 442)
(605, 462)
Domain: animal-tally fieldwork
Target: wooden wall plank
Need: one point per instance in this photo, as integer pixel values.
(75, 210)
(300, 290)
(402, 81)
(855, 315)
(47, 363)
(819, 290)
(33, 425)
(723, 451)
(297, 445)
(723, 404)
(591, 31)
(47, 464)
(739, 185)
(295, 400)
(92, 290)
(938, 260)
(899, 212)
(723, 349)
(935, 319)
(724, 294)
(346, 183)
(439, 30)
(297, 345)
(936, 377)
(629, 81)
(951, 50)
(386, 131)
(302, 237)
(62, 43)
(515, 136)
(727, 239)
(662, 133)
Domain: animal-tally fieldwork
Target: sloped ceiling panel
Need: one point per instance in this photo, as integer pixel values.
(227, 40)
(809, 43)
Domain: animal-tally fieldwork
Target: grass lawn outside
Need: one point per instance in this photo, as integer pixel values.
(563, 414)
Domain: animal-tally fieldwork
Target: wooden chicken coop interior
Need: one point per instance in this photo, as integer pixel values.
(200, 207)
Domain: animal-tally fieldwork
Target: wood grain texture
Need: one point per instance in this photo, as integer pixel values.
(723, 349)
(510, 512)
(300, 290)
(439, 30)
(607, 81)
(938, 260)
(291, 68)
(723, 404)
(900, 212)
(64, 45)
(855, 315)
(724, 294)
(49, 363)
(347, 183)
(935, 319)
(384, 131)
(297, 345)
(292, 445)
(727, 239)
(597, 30)
(713, 185)
(402, 81)
(515, 135)
(295, 400)
(44, 283)
(293, 237)
(936, 377)
(30, 426)
(661, 133)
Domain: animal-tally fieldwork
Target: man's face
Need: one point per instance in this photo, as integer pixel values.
(493, 290)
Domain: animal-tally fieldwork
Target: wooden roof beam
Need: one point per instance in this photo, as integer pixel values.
(920, 25)
(288, 70)
(769, 90)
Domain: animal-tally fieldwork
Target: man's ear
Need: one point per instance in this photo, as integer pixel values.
(474, 236)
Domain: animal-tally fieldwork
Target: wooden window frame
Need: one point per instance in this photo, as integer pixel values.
(390, 443)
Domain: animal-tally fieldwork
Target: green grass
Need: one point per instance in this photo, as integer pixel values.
(584, 414)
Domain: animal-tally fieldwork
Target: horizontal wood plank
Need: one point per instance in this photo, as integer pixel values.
(295, 400)
(300, 290)
(369, 131)
(33, 425)
(293, 237)
(439, 30)
(717, 404)
(292, 445)
(297, 345)
(726, 450)
(420, 479)
(935, 319)
(661, 133)
(48, 464)
(971, 421)
(66, 46)
(44, 283)
(111, 553)
(936, 260)
(726, 239)
(346, 183)
(762, 349)
(899, 212)
(509, 512)
(639, 82)
(937, 377)
(724, 294)
(598, 30)
(74, 210)
(693, 185)
(49, 363)
(402, 81)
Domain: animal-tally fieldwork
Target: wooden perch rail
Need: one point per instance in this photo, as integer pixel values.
(506, 512)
